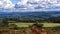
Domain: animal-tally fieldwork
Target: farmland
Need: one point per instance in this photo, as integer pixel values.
(20, 24)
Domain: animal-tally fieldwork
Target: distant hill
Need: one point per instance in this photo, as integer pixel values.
(30, 16)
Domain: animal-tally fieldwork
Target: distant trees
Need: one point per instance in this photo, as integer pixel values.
(13, 26)
(38, 25)
(4, 23)
(54, 20)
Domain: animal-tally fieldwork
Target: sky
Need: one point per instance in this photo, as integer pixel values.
(31, 5)
(14, 1)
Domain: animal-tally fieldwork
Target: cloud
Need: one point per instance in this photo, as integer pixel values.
(30, 4)
(6, 4)
(1, 4)
(26, 4)
(38, 4)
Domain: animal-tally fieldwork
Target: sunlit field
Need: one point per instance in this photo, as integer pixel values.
(29, 24)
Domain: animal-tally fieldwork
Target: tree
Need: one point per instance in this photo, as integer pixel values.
(13, 26)
(4, 23)
(38, 25)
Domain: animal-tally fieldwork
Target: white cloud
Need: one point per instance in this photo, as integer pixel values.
(26, 4)
(22, 2)
(41, 3)
(30, 4)
(1, 4)
(52, 1)
(6, 4)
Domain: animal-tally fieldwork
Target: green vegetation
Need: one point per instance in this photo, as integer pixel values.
(51, 22)
(3, 23)
(44, 24)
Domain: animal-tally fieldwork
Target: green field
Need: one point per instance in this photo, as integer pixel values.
(44, 24)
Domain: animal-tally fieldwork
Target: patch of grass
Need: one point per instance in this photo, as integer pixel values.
(21, 24)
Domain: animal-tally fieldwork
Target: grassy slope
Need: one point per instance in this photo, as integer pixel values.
(20, 24)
